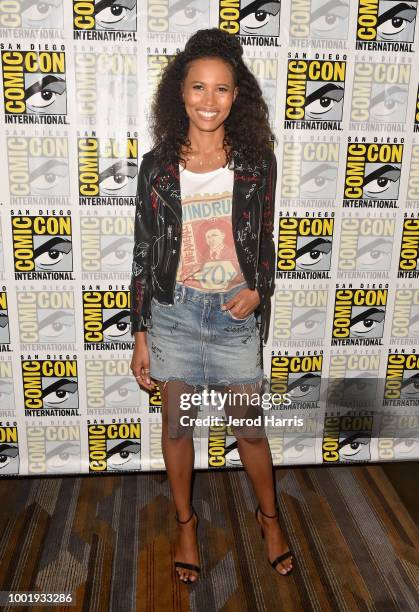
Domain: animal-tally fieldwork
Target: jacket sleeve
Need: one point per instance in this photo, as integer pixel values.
(140, 288)
(267, 256)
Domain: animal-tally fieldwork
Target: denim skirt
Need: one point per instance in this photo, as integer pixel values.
(195, 341)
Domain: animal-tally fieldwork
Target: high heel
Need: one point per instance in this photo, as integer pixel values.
(282, 557)
(184, 565)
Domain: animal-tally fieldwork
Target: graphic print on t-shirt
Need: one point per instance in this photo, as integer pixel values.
(208, 255)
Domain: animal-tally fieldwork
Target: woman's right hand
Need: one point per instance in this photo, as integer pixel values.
(140, 362)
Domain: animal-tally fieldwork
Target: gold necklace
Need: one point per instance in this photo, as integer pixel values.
(208, 162)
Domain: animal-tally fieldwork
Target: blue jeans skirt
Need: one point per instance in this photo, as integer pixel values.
(195, 341)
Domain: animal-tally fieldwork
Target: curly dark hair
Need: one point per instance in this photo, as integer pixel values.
(246, 128)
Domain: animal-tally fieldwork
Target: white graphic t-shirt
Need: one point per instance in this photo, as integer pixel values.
(208, 259)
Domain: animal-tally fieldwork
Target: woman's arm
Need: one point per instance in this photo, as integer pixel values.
(140, 287)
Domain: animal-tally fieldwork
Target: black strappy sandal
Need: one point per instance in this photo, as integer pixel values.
(282, 557)
(189, 566)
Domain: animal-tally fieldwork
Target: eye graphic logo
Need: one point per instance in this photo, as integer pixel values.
(38, 170)
(114, 447)
(9, 449)
(398, 437)
(366, 245)
(379, 95)
(54, 449)
(309, 171)
(299, 317)
(4, 321)
(7, 398)
(106, 316)
(405, 324)
(409, 250)
(106, 88)
(359, 316)
(105, 19)
(347, 439)
(42, 247)
(50, 387)
(250, 19)
(373, 174)
(107, 170)
(304, 247)
(106, 245)
(34, 84)
(182, 16)
(319, 19)
(315, 92)
(111, 386)
(46, 15)
(297, 376)
(402, 380)
(386, 25)
(46, 317)
(353, 381)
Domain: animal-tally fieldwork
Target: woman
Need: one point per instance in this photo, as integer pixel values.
(203, 269)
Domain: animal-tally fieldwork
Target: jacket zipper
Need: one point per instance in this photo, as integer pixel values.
(169, 246)
(180, 241)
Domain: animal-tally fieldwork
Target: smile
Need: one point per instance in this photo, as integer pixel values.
(207, 114)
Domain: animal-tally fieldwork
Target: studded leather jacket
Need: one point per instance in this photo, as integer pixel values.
(158, 234)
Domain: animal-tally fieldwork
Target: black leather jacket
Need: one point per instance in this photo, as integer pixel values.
(158, 234)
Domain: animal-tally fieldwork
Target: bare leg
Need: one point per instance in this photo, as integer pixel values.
(179, 455)
(256, 458)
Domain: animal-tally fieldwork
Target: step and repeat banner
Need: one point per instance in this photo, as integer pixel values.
(341, 82)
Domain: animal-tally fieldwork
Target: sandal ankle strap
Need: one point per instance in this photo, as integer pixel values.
(187, 520)
(268, 515)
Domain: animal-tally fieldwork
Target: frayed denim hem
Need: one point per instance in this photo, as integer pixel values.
(256, 382)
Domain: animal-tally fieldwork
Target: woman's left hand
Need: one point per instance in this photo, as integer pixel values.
(243, 303)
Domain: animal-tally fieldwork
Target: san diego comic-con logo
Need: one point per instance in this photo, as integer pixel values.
(172, 21)
(359, 316)
(217, 435)
(309, 172)
(386, 25)
(402, 379)
(372, 174)
(4, 321)
(53, 448)
(106, 88)
(416, 123)
(157, 61)
(34, 86)
(46, 319)
(265, 69)
(409, 249)
(315, 21)
(38, 170)
(293, 444)
(107, 170)
(398, 437)
(304, 246)
(42, 246)
(254, 22)
(299, 376)
(107, 244)
(33, 16)
(299, 317)
(9, 448)
(405, 322)
(114, 446)
(412, 199)
(7, 398)
(315, 93)
(353, 381)
(50, 387)
(347, 438)
(110, 386)
(114, 20)
(1, 254)
(154, 401)
(380, 95)
(366, 246)
(106, 319)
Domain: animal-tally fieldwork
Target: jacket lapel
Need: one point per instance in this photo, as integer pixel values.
(247, 181)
